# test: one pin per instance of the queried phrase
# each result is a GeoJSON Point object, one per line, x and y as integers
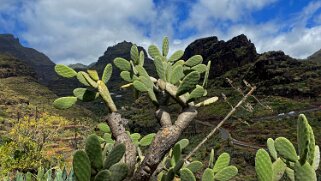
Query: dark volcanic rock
{"type": "Point", "coordinates": [42, 65]}
{"type": "Point", "coordinates": [275, 73]}
{"type": "Point", "coordinates": [224, 55]}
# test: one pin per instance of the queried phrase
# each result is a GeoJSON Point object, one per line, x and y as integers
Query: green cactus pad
{"type": "Point", "coordinates": [153, 51]}
{"type": "Point", "coordinates": [176, 56]}
{"type": "Point", "coordinates": [178, 166]}
{"type": "Point", "coordinates": [64, 102]}
{"type": "Point", "coordinates": [94, 152]}
{"type": "Point", "coordinates": [160, 67]}
{"type": "Point", "coordinates": [103, 127]}
{"type": "Point", "coordinates": [303, 138]}
{"type": "Point", "coordinates": [201, 68]}
{"type": "Point", "coordinates": [93, 74]}
{"type": "Point", "coordinates": [289, 173]}
{"type": "Point", "coordinates": [81, 166]}
{"type": "Point", "coordinates": [316, 160]}
{"type": "Point", "coordinates": [103, 175]}
{"type": "Point", "coordinates": [278, 168]}
{"type": "Point", "coordinates": [82, 79]}
{"type": "Point", "coordinates": [170, 175]}
{"type": "Point", "coordinates": [211, 161]}
{"type": "Point", "coordinates": [263, 166]}
{"type": "Point", "coordinates": [135, 137]}
{"type": "Point", "coordinates": [108, 70]}
{"type": "Point", "coordinates": [183, 143]}
{"type": "Point", "coordinates": [134, 54]}
{"type": "Point", "coordinates": [304, 172]}
{"type": "Point", "coordinates": [141, 58]}
{"type": "Point", "coordinates": [226, 173]}
{"type": "Point", "coordinates": [122, 64]}
{"type": "Point", "coordinates": [195, 166]}
{"type": "Point", "coordinates": [222, 161]}
{"type": "Point", "coordinates": [84, 94]}
{"type": "Point", "coordinates": [271, 147]}
{"type": "Point", "coordinates": [147, 140]}
{"type": "Point", "coordinates": [188, 83]}
{"type": "Point", "coordinates": [126, 76]}
{"type": "Point", "coordinates": [165, 46]}
{"type": "Point", "coordinates": [208, 67]}
{"type": "Point", "coordinates": [196, 93]}
{"type": "Point", "coordinates": [115, 155]}
{"type": "Point", "coordinates": [208, 175]}
{"type": "Point", "coordinates": [107, 137]}
{"type": "Point", "coordinates": [177, 74]}
{"type": "Point", "coordinates": [186, 175]}
{"type": "Point", "coordinates": [118, 171]}
{"type": "Point", "coordinates": [176, 153]}
{"type": "Point", "coordinates": [194, 60]}
{"type": "Point", "coordinates": [140, 86]}
{"type": "Point", "coordinates": [285, 149]}
{"type": "Point", "coordinates": [89, 80]}
{"type": "Point", "coordinates": [142, 72]}
{"type": "Point", "coordinates": [65, 71]}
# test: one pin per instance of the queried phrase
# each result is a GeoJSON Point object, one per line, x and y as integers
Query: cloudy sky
{"type": "Point", "coordinates": [70, 31]}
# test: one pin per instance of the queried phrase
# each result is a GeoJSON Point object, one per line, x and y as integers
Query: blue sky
{"type": "Point", "coordinates": [71, 31]}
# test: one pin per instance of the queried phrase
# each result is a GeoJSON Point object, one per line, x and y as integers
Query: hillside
{"type": "Point", "coordinates": [315, 57]}
{"type": "Point", "coordinates": [41, 64]}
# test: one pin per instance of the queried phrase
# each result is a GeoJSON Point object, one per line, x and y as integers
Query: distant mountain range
{"type": "Point", "coordinates": [273, 72]}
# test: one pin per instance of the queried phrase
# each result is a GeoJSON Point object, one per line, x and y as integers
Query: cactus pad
{"type": "Point", "coordinates": [304, 172]}
{"type": "Point", "coordinates": [103, 175]}
{"type": "Point", "coordinates": [108, 70]}
{"type": "Point", "coordinates": [115, 155]}
{"type": "Point", "coordinates": [271, 147]}
{"type": "Point", "coordinates": [153, 51]}
{"type": "Point", "coordinates": [187, 175]}
{"type": "Point", "coordinates": [263, 165]}
{"type": "Point", "coordinates": [278, 168]}
{"type": "Point", "coordinates": [134, 55]}
{"type": "Point", "coordinates": [165, 46]}
{"type": "Point", "coordinates": [82, 79]}
{"type": "Point", "coordinates": [222, 161]}
{"type": "Point", "coordinates": [122, 64]}
{"type": "Point", "coordinates": [64, 102]}
{"type": "Point", "coordinates": [176, 56]}
{"type": "Point", "coordinates": [195, 166]}
{"type": "Point", "coordinates": [208, 175]}
{"type": "Point", "coordinates": [285, 149]}
{"type": "Point", "coordinates": [147, 140]}
{"type": "Point", "coordinates": [118, 171]}
{"type": "Point", "coordinates": [226, 173]}
{"type": "Point", "coordinates": [93, 150]}
{"type": "Point", "coordinates": [81, 166]}
{"type": "Point", "coordinates": [201, 68]}
{"type": "Point", "coordinates": [84, 94]}
{"type": "Point", "coordinates": [189, 82]}
{"type": "Point", "coordinates": [93, 74]}
{"type": "Point", "coordinates": [65, 71]}
{"type": "Point", "coordinates": [194, 60]}
{"type": "Point", "coordinates": [196, 93]}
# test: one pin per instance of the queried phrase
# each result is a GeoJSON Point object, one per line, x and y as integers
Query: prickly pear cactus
{"type": "Point", "coordinates": [175, 167]}
{"type": "Point", "coordinates": [92, 81]}
{"type": "Point", "coordinates": [95, 163]}
{"type": "Point", "coordinates": [177, 78]}
{"type": "Point", "coordinates": [299, 166]}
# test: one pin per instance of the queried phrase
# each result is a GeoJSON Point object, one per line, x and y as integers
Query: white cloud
{"type": "Point", "coordinates": [80, 31]}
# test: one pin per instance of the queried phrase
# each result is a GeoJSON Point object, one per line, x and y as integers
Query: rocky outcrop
{"type": "Point", "coordinates": [225, 56]}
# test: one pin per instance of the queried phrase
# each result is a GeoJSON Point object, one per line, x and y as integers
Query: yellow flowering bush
{"type": "Point", "coordinates": [28, 138]}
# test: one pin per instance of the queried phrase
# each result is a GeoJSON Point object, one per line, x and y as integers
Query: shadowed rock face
{"type": "Point", "coordinates": [224, 55]}
{"type": "Point", "coordinates": [41, 64]}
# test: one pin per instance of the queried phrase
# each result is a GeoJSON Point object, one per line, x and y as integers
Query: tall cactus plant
{"type": "Point", "coordinates": [297, 167]}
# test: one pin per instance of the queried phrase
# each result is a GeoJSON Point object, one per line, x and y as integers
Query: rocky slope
{"type": "Point", "coordinates": [227, 55]}
{"type": "Point", "coordinates": [316, 57]}
{"type": "Point", "coordinates": [12, 67]}
{"type": "Point", "coordinates": [42, 65]}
